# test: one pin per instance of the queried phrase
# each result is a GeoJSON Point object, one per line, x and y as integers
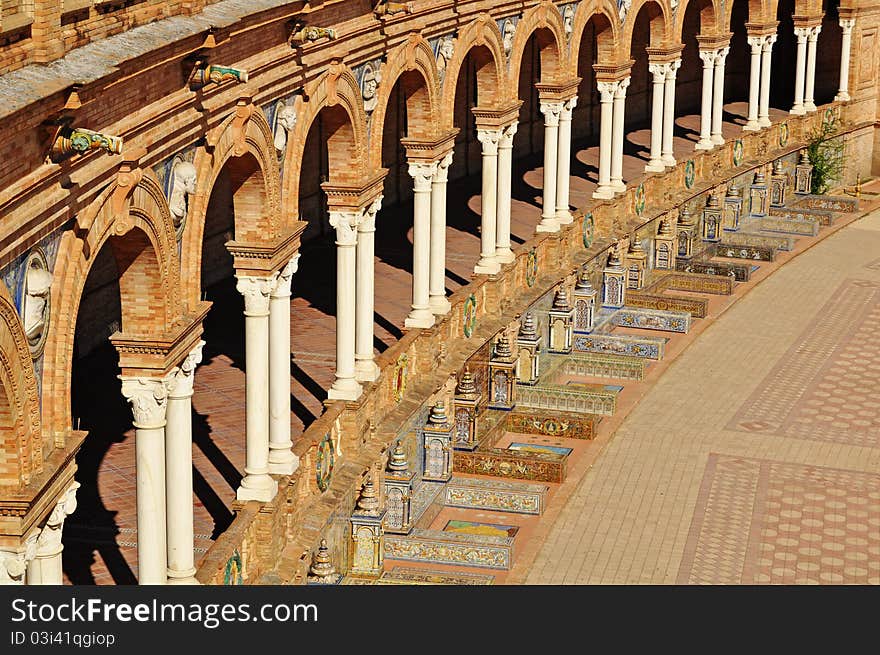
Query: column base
{"type": "Point", "coordinates": [282, 462]}
{"type": "Point", "coordinates": [182, 577]}
{"type": "Point", "coordinates": [487, 266]}
{"type": "Point", "coordinates": [704, 144]}
{"type": "Point", "coordinates": [655, 166]}
{"type": "Point", "coordinates": [618, 186]}
{"type": "Point", "coordinates": [842, 97]}
{"type": "Point", "coordinates": [547, 225]}
{"type": "Point", "coordinates": [439, 304]}
{"type": "Point", "coordinates": [809, 107]}
{"type": "Point", "coordinates": [798, 111]}
{"type": "Point", "coordinates": [751, 126]}
{"type": "Point", "coordinates": [717, 140]}
{"type": "Point", "coordinates": [564, 217]}
{"type": "Point", "coordinates": [603, 193]}
{"type": "Point", "coordinates": [419, 318]}
{"type": "Point", "coordinates": [669, 161]}
{"type": "Point", "coordinates": [505, 255]}
{"type": "Point", "coordinates": [259, 487]}
{"type": "Point", "coordinates": [366, 370]}
{"type": "Point", "coordinates": [764, 122]}
{"type": "Point", "coordinates": [344, 389]}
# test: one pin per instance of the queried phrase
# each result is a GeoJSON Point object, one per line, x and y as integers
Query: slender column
{"type": "Point", "coordinates": [756, 43]}
{"type": "Point", "coordinates": [149, 401]}
{"type": "Point", "coordinates": [178, 470]}
{"type": "Point", "coordinates": [489, 201]}
{"type": "Point", "coordinates": [256, 484]}
{"type": "Point", "coordinates": [282, 461]}
{"type": "Point", "coordinates": [705, 142]}
{"type": "Point", "coordinates": [15, 563]}
{"type": "Point", "coordinates": [503, 252]}
{"type": "Point", "coordinates": [669, 112]}
{"type": "Point", "coordinates": [658, 71]}
{"type": "Point", "coordinates": [437, 284]}
{"type": "Point", "coordinates": [812, 41]}
{"type": "Point", "coordinates": [846, 24]}
{"type": "Point", "coordinates": [551, 111]}
{"type": "Point", "coordinates": [766, 54]}
{"type": "Point", "coordinates": [345, 387]}
{"type": "Point", "coordinates": [718, 95]}
{"type": "Point", "coordinates": [365, 369]}
{"type": "Point", "coordinates": [800, 70]}
{"type": "Point", "coordinates": [617, 138]}
{"type": "Point", "coordinates": [45, 568]}
{"type": "Point", "coordinates": [563, 165]}
{"type": "Point", "coordinates": [423, 176]}
{"type": "Point", "coordinates": [606, 98]}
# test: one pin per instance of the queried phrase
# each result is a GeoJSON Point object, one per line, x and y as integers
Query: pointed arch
{"type": "Point", "coordinates": [143, 238]}
{"type": "Point", "coordinates": [413, 64]}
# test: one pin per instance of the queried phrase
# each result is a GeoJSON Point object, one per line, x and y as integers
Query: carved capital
{"type": "Point", "coordinates": [801, 33]}
{"type": "Point", "coordinates": [367, 222]}
{"type": "Point", "coordinates": [183, 376]}
{"type": "Point", "coordinates": [708, 57]}
{"type": "Point", "coordinates": [285, 277]}
{"type": "Point", "coordinates": [256, 292]}
{"type": "Point", "coordinates": [507, 134]}
{"type": "Point", "coordinates": [658, 71]}
{"type": "Point", "coordinates": [769, 40]}
{"type": "Point", "coordinates": [847, 25]}
{"type": "Point", "coordinates": [606, 91]}
{"type": "Point", "coordinates": [443, 165]}
{"type": "Point", "coordinates": [490, 139]}
{"type": "Point", "coordinates": [423, 175]}
{"type": "Point", "coordinates": [568, 107]}
{"type": "Point", "coordinates": [721, 55]}
{"type": "Point", "coordinates": [552, 111]}
{"type": "Point", "coordinates": [13, 563]}
{"type": "Point", "coordinates": [756, 42]}
{"type": "Point", "coordinates": [622, 86]}
{"type": "Point", "coordinates": [148, 398]}
{"type": "Point", "coordinates": [345, 224]}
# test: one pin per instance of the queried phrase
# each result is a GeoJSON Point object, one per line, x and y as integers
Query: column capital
{"type": "Point", "coordinates": [345, 224]}
{"type": "Point", "coordinates": [622, 86]}
{"type": "Point", "coordinates": [49, 540]}
{"type": "Point", "coordinates": [367, 222]}
{"type": "Point", "coordinates": [489, 137]}
{"type": "Point", "coordinates": [148, 398]}
{"type": "Point", "coordinates": [802, 33]}
{"type": "Point", "coordinates": [847, 24]}
{"type": "Point", "coordinates": [658, 71]}
{"type": "Point", "coordinates": [183, 376]}
{"type": "Point", "coordinates": [551, 110]}
{"type": "Point", "coordinates": [708, 57]}
{"type": "Point", "coordinates": [756, 41]}
{"type": "Point", "coordinates": [256, 291]}
{"type": "Point", "coordinates": [814, 32]}
{"type": "Point", "coordinates": [721, 54]}
{"type": "Point", "coordinates": [285, 277]}
{"type": "Point", "coordinates": [769, 40]}
{"type": "Point", "coordinates": [568, 106]}
{"type": "Point", "coordinates": [606, 90]}
{"type": "Point", "coordinates": [422, 173]}
{"type": "Point", "coordinates": [443, 164]}
{"type": "Point", "coordinates": [507, 134]}
{"type": "Point", "coordinates": [14, 562]}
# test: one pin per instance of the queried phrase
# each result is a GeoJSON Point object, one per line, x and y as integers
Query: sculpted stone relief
{"type": "Point", "coordinates": [183, 185]}
{"type": "Point", "coordinates": [35, 301]}
{"type": "Point", "coordinates": [285, 121]}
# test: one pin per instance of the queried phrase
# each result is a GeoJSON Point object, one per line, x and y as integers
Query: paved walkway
{"type": "Point", "coordinates": [755, 458]}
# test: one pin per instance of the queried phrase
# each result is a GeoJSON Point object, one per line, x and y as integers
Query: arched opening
{"type": "Point", "coordinates": [738, 65]}
{"type": "Point", "coordinates": [784, 57]}
{"type": "Point", "coordinates": [828, 53]}
{"type": "Point", "coordinates": [647, 32]}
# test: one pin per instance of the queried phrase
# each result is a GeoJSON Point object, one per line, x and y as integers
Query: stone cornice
{"type": "Point", "coordinates": [265, 257]}
{"type": "Point", "coordinates": [487, 118]}
{"type": "Point", "coordinates": [613, 72]}
{"type": "Point", "coordinates": [421, 150]}
{"type": "Point", "coordinates": [809, 20]}
{"type": "Point", "coordinates": [762, 29]}
{"type": "Point", "coordinates": [558, 91]}
{"type": "Point", "coordinates": [663, 55]}
{"type": "Point", "coordinates": [352, 197]}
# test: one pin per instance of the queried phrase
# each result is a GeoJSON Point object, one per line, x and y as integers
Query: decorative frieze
{"type": "Point", "coordinates": [680, 281]}
{"type": "Point", "coordinates": [620, 344]}
{"type": "Point", "coordinates": [652, 319]}
{"type": "Point", "coordinates": [568, 425]}
{"type": "Point", "coordinates": [824, 216]}
{"type": "Point", "coordinates": [422, 545]}
{"type": "Point", "coordinates": [696, 307]}
{"type": "Point", "coordinates": [833, 203]}
{"type": "Point", "coordinates": [569, 399]}
{"type": "Point", "coordinates": [501, 463]}
{"type": "Point", "coordinates": [739, 272]}
{"type": "Point", "coordinates": [758, 240]}
{"type": "Point", "coordinates": [807, 227]}
{"type": "Point", "coordinates": [758, 253]}
{"type": "Point", "coordinates": [496, 495]}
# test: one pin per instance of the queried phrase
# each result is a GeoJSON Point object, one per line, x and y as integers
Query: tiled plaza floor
{"type": "Point", "coordinates": [101, 536]}
{"type": "Point", "coordinates": [754, 458]}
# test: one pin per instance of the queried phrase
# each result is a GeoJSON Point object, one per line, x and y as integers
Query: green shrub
{"type": "Point", "coordinates": [826, 155]}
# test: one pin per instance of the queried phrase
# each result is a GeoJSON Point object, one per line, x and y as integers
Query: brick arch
{"type": "Point", "coordinates": [547, 22]}
{"type": "Point", "coordinates": [414, 66]}
{"type": "Point", "coordinates": [661, 24]}
{"type": "Point", "coordinates": [608, 40]}
{"type": "Point", "coordinates": [483, 36]}
{"type": "Point", "coordinates": [710, 15]}
{"type": "Point", "coordinates": [757, 12]}
{"type": "Point", "coordinates": [142, 235]}
{"type": "Point", "coordinates": [244, 145]}
{"type": "Point", "coordinates": [21, 445]}
{"type": "Point", "coordinates": [337, 95]}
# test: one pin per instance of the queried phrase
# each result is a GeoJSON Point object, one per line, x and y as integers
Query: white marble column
{"type": "Point", "coordinates": [345, 387]}
{"type": "Point", "coordinates": [437, 284]}
{"type": "Point", "coordinates": [812, 43]}
{"type": "Point", "coordinates": [178, 470]}
{"type": "Point", "coordinates": [606, 131]}
{"type": "Point", "coordinates": [365, 369]}
{"type": "Point", "coordinates": [718, 95]}
{"type": "Point", "coordinates": [563, 165]}
{"type": "Point", "coordinates": [800, 70]}
{"type": "Point", "coordinates": [847, 25]}
{"type": "Point", "coordinates": [503, 251]}
{"type": "Point", "coordinates": [757, 44]}
{"type": "Point", "coordinates": [705, 142]}
{"type": "Point", "coordinates": [489, 202]}
{"type": "Point", "coordinates": [551, 111]}
{"type": "Point", "coordinates": [257, 484]}
{"type": "Point", "coordinates": [45, 567]}
{"type": "Point", "coordinates": [658, 72]}
{"type": "Point", "coordinates": [617, 137]}
{"type": "Point", "coordinates": [15, 562]}
{"type": "Point", "coordinates": [282, 461]}
{"type": "Point", "coordinates": [149, 401]}
{"type": "Point", "coordinates": [423, 177]}
{"type": "Point", "coordinates": [669, 112]}
{"type": "Point", "coordinates": [766, 59]}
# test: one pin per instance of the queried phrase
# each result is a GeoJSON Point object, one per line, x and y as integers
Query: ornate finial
{"type": "Point", "coordinates": [321, 566]}
{"type": "Point", "coordinates": [684, 217]}
{"type": "Point", "coordinates": [368, 502]}
{"type": "Point", "coordinates": [560, 300]}
{"type": "Point", "coordinates": [665, 228]}
{"type": "Point", "coordinates": [438, 414]}
{"type": "Point", "coordinates": [713, 201]}
{"type": "Point", "coordinates": [804, 159]}
{"type": "Point", "coordinates": [397, 463]}
{"type": "Point", "coordinates": [777, 167]}
{"type": "Point", "coordinates": [734, 191]}
{"type": "Point", "coordinates": [527, 328]}
{"type": "Point", "coordinates": [466, 385]}
{"type": "Point", "coordinates": [583, 281]}
{"type": "Point", "coordinates": [614, 255]}
{"type": "Point", "coordinates": [635, 248]}
{"type": "Point", "coordinates": [502, 348]}
{"type": "Point", "coordinates": [759, 177]}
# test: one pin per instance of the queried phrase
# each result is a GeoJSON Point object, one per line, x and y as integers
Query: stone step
{"type": "Point", "coordinates": [553, 423]}
{"type": "Point", "coordinates": [652, 319]}
{"type": "Point", "coordinates": [742, 238]}
{"type": "Point", "coordinates": [606, 365]}
{"type": "Point", "coordinates": [756, 253]}
{"type": "Point", "coordinates": [511, 464]}
{"type": "Point", "coordinates": [570, 398]}
{"type": "Point", "coordinates": [620, 344]}
{"type": "Point", "coordinates": [696, 307]}
{"type": "Point", "coordinates": [441, 547]}
{"type": "Point", "coordinates": [824, 216]}
{"type": "Point", "coordinates": [689, 281]}
{"type": "Point", "coordinates": [738, 272]}
{"type": "Point", "coordinates": [809, 228]}
{"type": "Point", "coordinates": [833, 203]}
{"type": "Point", "coordinates": [496, 495]}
